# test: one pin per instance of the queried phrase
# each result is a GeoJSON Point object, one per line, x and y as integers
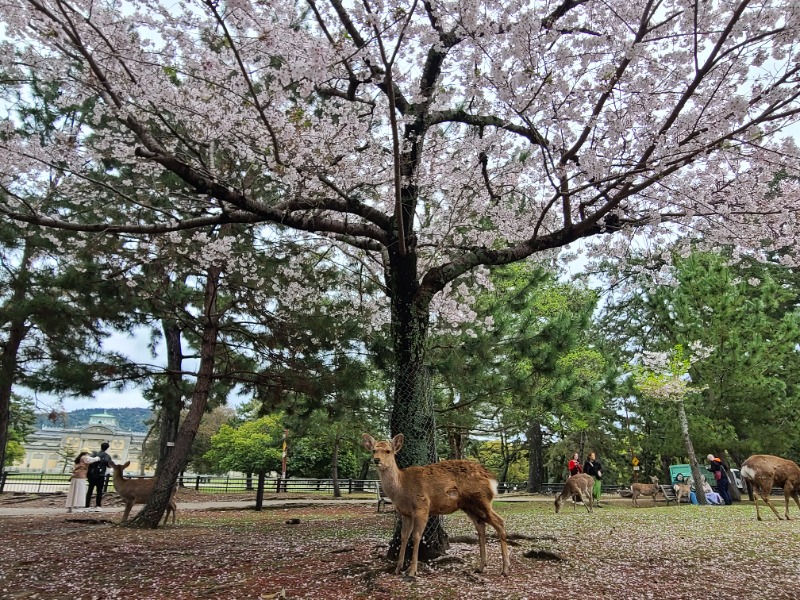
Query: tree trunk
{"type": "Point", "coordinates": [456, 440]}
{"type": "Point", "coordinates": [152, 512]}
{"type": "Point", "coordinates": [335, 469]}
{"type": "Point", "coordinates": [172, 393]}
{"type": "Point", "coordinates": [412, 410]}
{"type": "Point", "coordinates": [260, 491]}
{"type": "Point", "coordinates": [17, 330]}
{"type": "Point", "coordinates": [687, 442]}
{"type": "Point", "coordinates": [535, 460]}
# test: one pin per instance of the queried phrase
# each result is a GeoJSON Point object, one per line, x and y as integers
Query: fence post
{"type": "Point", "coordinates": [227, 480]}
{"type": "Point", "coordinates": [3, 475]}
{"type": "Point", "coordinates": [350, 486]}
{"type": "Point", "coordinates": [197, 483]}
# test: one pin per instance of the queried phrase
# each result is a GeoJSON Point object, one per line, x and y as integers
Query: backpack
{"type": "Point", "coordinates": [97, 470]}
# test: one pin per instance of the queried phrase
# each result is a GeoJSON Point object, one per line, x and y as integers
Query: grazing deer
{"type": "Point", "coordinates": [436, 489]}
{"type": "Point", "coordinates": [138, 491]}
{"type": "Point", "coordinates": [763, 471]}
{"type": "Point", "coordinates": [646, 489]}
{"type": "Point", "coordinates": [580, 484]}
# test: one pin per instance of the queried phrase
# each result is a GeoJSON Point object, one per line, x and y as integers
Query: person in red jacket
{"type": "Point", "coordinates": [574, 467]}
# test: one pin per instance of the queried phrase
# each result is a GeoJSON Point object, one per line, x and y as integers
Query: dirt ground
{"type": "Point", "coordinates": [24, 499]}
{"type": "Point", "coordinates": [339, 552]}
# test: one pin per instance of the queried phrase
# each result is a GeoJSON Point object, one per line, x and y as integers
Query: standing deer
{"type": "Point", "coordinates": [138, 491]}
{"type": "Point", "coordinates": [580, 484]}
{"type": "Point", "coordinates": [683, 489]}
{"type": "Point", "coordinates": [645, 489]}
{"type": "Point", "coordinates": [436, 489]}
{"type": "Point", "coordinates": [763, 471]}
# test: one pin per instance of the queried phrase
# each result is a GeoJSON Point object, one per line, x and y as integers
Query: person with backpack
{"type": "Point", "coordinates": [77, 483]}
{"type": "Point", "coordinates": [96, 477]}
{"type": "Point", "coordinates": [721, 476]}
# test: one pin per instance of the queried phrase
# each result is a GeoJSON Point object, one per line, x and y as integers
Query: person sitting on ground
{"type": "Point", "coordinates": [711, 496]}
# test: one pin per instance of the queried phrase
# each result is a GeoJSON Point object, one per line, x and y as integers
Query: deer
{"type": "Point", "coordinates": [763, 471]}
{"type": "Point", "coordinates": [645, 489]}
{"type": "Point", "coordinates": [138, 491]}
{"type": "Point", "coordinates": [580, 484]}
{"type": "Point", "coordinates": [682, 489]}
{"type": "Point", "coordinates": [441, 488]}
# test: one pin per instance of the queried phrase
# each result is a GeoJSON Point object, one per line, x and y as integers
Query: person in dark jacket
{"type": "Point", "coordinates": [593, 467]}
{"type": "Point", "coordinates": [721, 476]}
{"type": "Point", "coordinates": [97, 475]}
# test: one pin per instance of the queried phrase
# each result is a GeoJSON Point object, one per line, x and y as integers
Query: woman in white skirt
{"type": "Point", "coordinates": [76, 496]}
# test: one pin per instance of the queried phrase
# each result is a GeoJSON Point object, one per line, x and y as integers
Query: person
{"type": "Point", "coordinates": [77, 483]}
{"type": "Point", "coordinates": [574, 467]}
{"type": "Point", "coordinates": [721, 476]}
{"type": "Point", "coordinates": [711, 496]}
{"type": "Point", "coordinates": [97, 476]}
{"type": "Point", "coordinates": [593, 467]}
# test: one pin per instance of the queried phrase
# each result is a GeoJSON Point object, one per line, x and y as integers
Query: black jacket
{"type": "Point", "coordinates": [97, 471]}
{"type": "Point", "coordinates": [592, 468]}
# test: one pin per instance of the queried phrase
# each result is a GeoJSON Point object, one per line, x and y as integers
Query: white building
{"type": "Point", "coordinates": [53, 449]}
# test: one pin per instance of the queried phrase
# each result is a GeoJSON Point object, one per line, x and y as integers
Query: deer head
{"type": "Point", "coordinates": [383, 452]}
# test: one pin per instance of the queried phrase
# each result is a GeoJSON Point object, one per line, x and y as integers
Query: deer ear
{"type": "Point", "coordinates": [397, 442]}
{"type": "Point", "coordinates": [368, 441]}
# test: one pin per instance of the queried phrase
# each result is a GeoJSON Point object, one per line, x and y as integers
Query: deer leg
{"type": "Point", "coordinates": [128, 507]}
{"type": "Point", "coordinates": [405, 532]}
{"type": "Point", "coordinates": [796, 500]}
{"type": "Point", "coordinates": [480, 527]}
{"type": "Point", "coordinates": [765, 490]}
{"type": "Point", "coordinates": [587, 501]}
{"type": "Point", "coordinates": [756, 492]}
{"type": "Point", "coordinates": [787, 493]}
{"type": "Point", "coordinates": [420, 520]}
{"type": "Point", "coordinates": [499, 525]}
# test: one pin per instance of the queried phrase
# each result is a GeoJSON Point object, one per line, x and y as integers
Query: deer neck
{"type": "Point", "coordinates": [391, 479]}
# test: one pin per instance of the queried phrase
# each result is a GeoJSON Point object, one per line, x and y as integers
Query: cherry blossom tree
{"type": "Point", "coordinates": [426, 139]}
{"type": "Point", "coordinates": [664, 377]}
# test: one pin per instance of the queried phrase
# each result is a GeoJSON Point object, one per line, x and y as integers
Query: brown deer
{"type": "Point", "coordinates": [138, 491]}
{"type": "Point", "coordinates": [645, 489]}
{"type": "Point", "coordinates": [436, 489]}
{"type": "Point", "coordinates": [683, 489]}
{"type": "Point", "coordinates": [763, 471]}
{"type": "Point", "coordinates": [580, 484]}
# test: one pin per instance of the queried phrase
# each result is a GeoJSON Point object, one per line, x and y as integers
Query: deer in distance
{"type": "Point", "coordinates": [645, 489]}
{"type": "Point", "coordinates": [419, 492]}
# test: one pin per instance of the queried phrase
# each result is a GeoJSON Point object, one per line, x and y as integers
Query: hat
{"type": "Point", "coordinates": [710, 457]}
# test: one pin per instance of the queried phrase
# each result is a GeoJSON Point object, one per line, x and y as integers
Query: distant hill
{"type": "Point", "coordinates": [129, 419]}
